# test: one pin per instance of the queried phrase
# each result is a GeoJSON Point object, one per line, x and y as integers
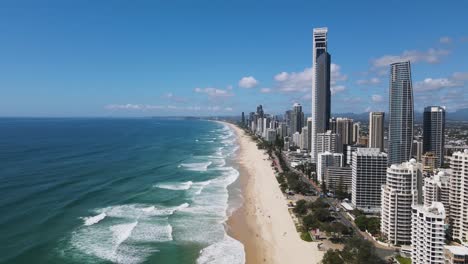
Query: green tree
{"type": "Point", "coordinates": [301, 207]}
{"type": "Point", "coordinates": [332, 257]}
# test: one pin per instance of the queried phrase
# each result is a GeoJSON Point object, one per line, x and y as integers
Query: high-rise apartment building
{"type": "Point", "coordinates": [304, 139]}
{"type": "Point", "coordinates": [437, 189]}
{"type": "Point", "coordinates": [309, 133]}
{"type": "Point", "coordinates": [321, 94]}
{"type": "Point", "coordinates": [369, 167]}
{"type": "Point", "coordinates": [338, 177]}
{"type": "Point", "coordinates": [327, 159]}
{"type": "Point", "coordinates": [428, 234]}
{"type": "Point", "coordinates": [297, 118]}
{"type": "Point", "coordinates": [376, 130]}
{"type": "Point", "coordinates": [459, 196]}
{"type": "Point", "coordinates": [402, 189]}
{"type": "Point", "coordinates": [356, 132]}
{"type": "Point", "coordinates": [344, 127]}
{"type": "Point", "coordinates": [417, 150]}
{"type": "Point", "coordinates": [401, 113]}
{"type": "Point", "coordinates": [330, 142]}
{"type": "Point", "coordinates": [434, 132]}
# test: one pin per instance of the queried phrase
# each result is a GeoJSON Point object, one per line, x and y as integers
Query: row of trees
{"type": "Point", "coordinates": [356, 251]}
{"type": "Point", "coordinates": [316, 214]}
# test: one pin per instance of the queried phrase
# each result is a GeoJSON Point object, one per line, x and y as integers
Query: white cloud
{"type": "Point", "coordinates": [295, 81]}
{"type": "Point", "coordinates": [302, 81]}
{"type": "Point", "coordinates": [430, 84]}
{"type": "Point", "coordinates": [265, 90]}
{"type": "Point", "coordinates": [133, 107]}
{"type": "Point", "coordinates": [214, 92]}
{"type": "Point", "coordinates": [371, 81]}
{"type": "Point", "coordinates": [377, 98]}
{"type": "Point", "coordinates": [337, 89]}
{"type": "Point", "coordinates": [336, 75]}
{"type": "Point", "coordinates": [229, 109]}
{"type": "Point", "coordinates": [430, 56]}
{"type": "Point", "coordinates": [248, 82]}
{"type": "Point", "coordinates": [445, 40]}
{"type": "Point", "coordinates": [460, 76]}
{"type": "Point", "coordinates": [280, 77]}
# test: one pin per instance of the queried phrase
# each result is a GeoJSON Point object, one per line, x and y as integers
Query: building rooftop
{"type": "Point", "coordinates": [457, 250]}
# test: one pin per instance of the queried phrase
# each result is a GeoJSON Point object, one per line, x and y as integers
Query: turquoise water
{"type": "Point", "coordinates": [116, 191]}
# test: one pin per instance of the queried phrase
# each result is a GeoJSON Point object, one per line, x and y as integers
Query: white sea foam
{"type": "Point", "coordinates": [121, 232]}
{"type": "Point", "coordinates": [197, 166]}
{"type": "Point", "coordinates": [227, 250]}
{"type": "Point", "coordinates": [174, 185]}
{"type": "Point", "coordinates": [94, 219]}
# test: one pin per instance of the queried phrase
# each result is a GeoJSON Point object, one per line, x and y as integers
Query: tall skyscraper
{"type": "Point", "coordinates": [458, 195]}
{"type": "Point", "coordinates": [309, 133]}
{"type": "Point", "coordinates": [428, 234]}
{"type": "Point", "coordinates": [401, 109]}
{"type": "Point", "coordinates": [260, 111]}
{"type": "Point", "coordinates": [369, 167]}
{"type": "Point", "coordinates": [376, 130]}
{"type": "Point", "coordinates": [356, 132]}
{"type": "Point", "coordinates": [434, 132]}
{"type": "Point", "coordinates": [344, 127]}
{"type": "Point", "coordinates": [243, 119]}
{"type": "Point", "coordinates": [297, 118]}
{"type": "Point", "coordinates": [402, 190]}
{"type": "Point", "coordinates": [321, 94]}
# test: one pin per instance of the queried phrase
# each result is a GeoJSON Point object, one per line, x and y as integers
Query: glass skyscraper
{"type": "Point", "coordinates": [321, 94]}
{"type": "Point", "coordinates": [434, 132]}
{"type": "Point", "coordinates": [401, 113]}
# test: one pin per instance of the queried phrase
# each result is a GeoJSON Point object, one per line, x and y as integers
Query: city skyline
{"type": "Point", "coordinates": [68, 59]}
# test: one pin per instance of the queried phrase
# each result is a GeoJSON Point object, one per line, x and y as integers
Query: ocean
{"type": "Point", "coordinates": [146, 190]}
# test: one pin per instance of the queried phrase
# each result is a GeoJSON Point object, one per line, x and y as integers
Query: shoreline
{"type": "Point", "coordinates": [263, 223]}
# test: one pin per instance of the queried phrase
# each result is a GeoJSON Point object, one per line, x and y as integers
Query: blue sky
{"type": "Point", "coordinates": [141, 58]}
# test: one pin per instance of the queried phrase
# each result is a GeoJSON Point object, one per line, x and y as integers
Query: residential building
{"type": "Point", "coordinates": [356, 132]}
{"type": "Point", "coordinates": [456, 255]}
{"type": "Point", "coordinates": [429, 161]}
{"type": "Point", "coordinates": [437, 189]}
{"type": "Point", "coordinates": [344, 127]}
{"type": "Point", "coordinates": [369, 167]}
{"type": "Point", "coordinates": [330, 142]}
{"type": "Point", "coordinates": [326, 159]}
{"type": "Point", "coordinates": [401, 113]}
{"type": "Point", "coordinates": [338, 177]}
{"type": "Point", "coordinates": [417, 150]}
{"type": "Point", "coordinates": [270, 135]}
{"type": "Point", "coordinates": [428, 234]}
{"type": "Point", "coordinates": [321, 94]}
{"type": "Point", "coordinates": [459, 196]}
{"type": "Point", "coordinates": [402, 190]}
{"type": "Point", "coordinates": [376, 130]}
{"type": "Point", "coordinates": [309, 133]}
{"type": "Point", "coordinates": [304, 138]}
{"type": "Point", "coordinates": [434, 132]}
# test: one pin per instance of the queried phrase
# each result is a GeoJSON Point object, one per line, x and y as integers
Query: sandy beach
{"type": "Point", "coordinates": [263, 224]}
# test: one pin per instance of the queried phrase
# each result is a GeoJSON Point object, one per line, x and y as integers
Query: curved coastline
{"type": "Point", "coordinates": [263, 223]}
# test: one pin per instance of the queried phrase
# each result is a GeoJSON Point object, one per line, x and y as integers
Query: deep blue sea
{"type": "Point", "coordinates": [98, 190]}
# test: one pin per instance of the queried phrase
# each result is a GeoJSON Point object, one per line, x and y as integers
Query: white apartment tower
{"type": "Point", "coordinates": [437, 189]}
{"type": "Point", "coordinates": [428, 234]}
{"type": "Point", "coordinates": [401, 191]}
{"type": "Point", "coordinates": [368, 167]}
{"type": "Point", "coordinates": [459, 196]}
{"type": "Point", "coordinates": [376, 130]}
{"type": "Point", "coordinates": [328, 141]}
{"type": "Point", "coordinates": [327, 159]}
{"type": "Point", "coordinates": [321, 94]}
